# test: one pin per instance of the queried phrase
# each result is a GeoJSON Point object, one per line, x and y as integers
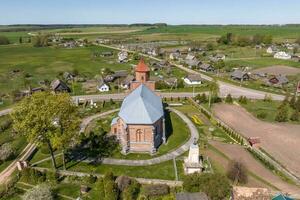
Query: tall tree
{"type": "Point", "coordinates": [213, 90]}
{"type": "Point", "coordinates": [67, 122]}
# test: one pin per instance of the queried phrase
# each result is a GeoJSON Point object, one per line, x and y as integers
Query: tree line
{"type": "Point", "coordinates": [242, 40]}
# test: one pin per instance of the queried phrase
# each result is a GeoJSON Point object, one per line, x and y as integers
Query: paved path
{"type": "Point", "coordinates": [225, 88]}
{"type": "Point", "coordinates": [165, 157]}
{"type": "Point", "coordinates": [169, 156]}
{"type": "Point", "coordinates": [24, 155]}
{"type": "Point", "coordinates": [85, 122]}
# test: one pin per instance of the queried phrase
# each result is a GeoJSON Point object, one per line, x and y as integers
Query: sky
{"type": "Point", "coordinates": [149, 11]}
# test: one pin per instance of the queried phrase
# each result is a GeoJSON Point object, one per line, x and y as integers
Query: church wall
{"type": "Point", "coordinates": [136, 84]}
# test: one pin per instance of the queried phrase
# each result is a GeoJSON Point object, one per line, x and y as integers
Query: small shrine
{"type": "Point", "coordinates": [193, 163]}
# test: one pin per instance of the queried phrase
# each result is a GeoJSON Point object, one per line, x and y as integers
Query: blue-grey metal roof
{"type": "Point", "coordinates": [141, 106]}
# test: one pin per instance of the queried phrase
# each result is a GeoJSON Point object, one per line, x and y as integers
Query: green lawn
{"type": "Point", "coordinates": [256, 107]}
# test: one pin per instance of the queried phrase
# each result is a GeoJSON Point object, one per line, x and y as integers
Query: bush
{"type": "Point", "coordinates": [123, 182]}
{"type": "Point", "coordinates": [32, 176]}
{"type": "Point", "coordinates": [295, 116]}
{"type": "Point", "coordinates": [282, 113]}
{"type": "Point", "coordinates": [3, 40]}
{"type": "Point", "coordinates": [262, 115]}
{"type": "Point", "coordinates": [5, 124]}
{"type": "Point", "coordinates": [228, 99]}
{"type": "Point", "coordinates": [237, 172]}
{"type": "Point", "coordinates": [89, 179]}
{"type": "Point", "coordinates": [110, 187]}
{"type": "Point", "coordinates": [39, 192]}
{"type": "Point", "coordinates": [6, 151]}
{"type": "Point", "coordinates": [243, 100]}
{"type": "Point", "coordinates": [216, 186]}
{"type": "Point", "coordinates": [156, 190]}
{"type": "Point", "coordinates": [132, 191]}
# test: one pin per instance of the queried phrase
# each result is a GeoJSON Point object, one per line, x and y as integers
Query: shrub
{"type": "Point", "coordinates": [282, 113]}
{"type": "Point", "coordinates": [89, 179]}
{"type": "Point", "coordinates": [123, 182]}
{"type": "Point", "coordinates": [262, 115]}
{"type": "Point", "coordinates": [32, 176]}
{"type": "Point", "coordinates": [52, 177]}
{"type": "Point", "coordinates": [237, 172]}
{"type": "Point", "coordinates": [156, 190]}
{"type": "Point", "coordinates": [39, 192]}
{"type": "Point", "coordinates": [5, 124]}
{"type": "Point", "coordinates": [216, 186]}
{"type": "Point", "coordinates": [295, 116]}
{"type": "Point", "coordinates": [3, 40]}
{"type": "Point", "coordinates": [6, 151]}
{"type": "Point", "coordinates": [228, 99]}
{"type": "Point", "coordinates": [110, 187]}
{"type": "Point", "coordinates": [132, 191]}
{"type": "Point", "coordinates": [243, 100]}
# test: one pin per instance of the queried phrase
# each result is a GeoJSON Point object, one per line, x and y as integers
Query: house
{"type": "Point", "coordinates": [139, 126]}
{"type": "Point", "coordinates": [272, 50]}
{"type": "Point", "coordinates": [193, 63]}
{"type": "Point", "coordinates": [68, 76]}
{"type": "Point", "coordinates": [174, 56]}
{"type": "Point", "coordinates": [282, 55]}
{"type": "Point", "coordinates": [125, 84]}
{"type": "Point", "coordinates": [106, 54]}
{"type": "Point", "coordinates": [240, 75]}
{"type": "Point", "coordinates": [190, 57]}
{"type": "Point", "coordinates": [278, 80]}
{"type": "Point", "coordinates": [247, 193]}
{"type": "Point", "coordinates": [217, 57]}
{"type": "Point", "coordinates": [295, 58]}
{"type": "Point", "coordinates": [282, 197]}
{"type": "Point", "coordinates": [206, 67]}
{"type": "Point", "coordinates": [120, 74]}
{"type": "Point", "coordinates": [122, 56]}
{"type": "Point", "coordinates": [103, 87]}
{"type": "Point", "coordinates": [109, 78]}
{"type": "Point", "coordinates": [191, 196]}
{"type": "Point", "coordinates": [193, 79]}
{"type": "Point", "coordinates": [171, 81]}
{"type": "Point", "coordinates": [59, 86]}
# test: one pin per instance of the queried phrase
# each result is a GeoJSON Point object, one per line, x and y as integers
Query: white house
{"type": "Point", "coordinates": [174, 56]}
{"type": "Point", "coordinates": [282, 55]}
{"type": "Point", "coordinates": [122, 56]}
{"type": "Point", "coordinates": [193, 79]}
{"type": "Point", "coordinates": [272, 49]}
{"type": "Point", "coordinates": [103, 87]}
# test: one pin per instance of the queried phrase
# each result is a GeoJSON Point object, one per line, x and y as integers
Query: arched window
{"type": "Point", "coordinates": [139, 135]}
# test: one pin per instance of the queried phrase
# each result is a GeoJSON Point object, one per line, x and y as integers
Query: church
{"type": "Point", "coordinates": [139, 126]}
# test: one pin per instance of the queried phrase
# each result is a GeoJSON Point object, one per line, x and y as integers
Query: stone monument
{"type": "Point", "coordinates": [193, 162]}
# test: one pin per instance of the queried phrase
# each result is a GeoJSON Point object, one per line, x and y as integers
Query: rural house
{"type": "Point", "coordinates": [59, 86]}
{"type": "Point", "coordinates": [272, 50]}
{"type": "Point", "coordinates": [174, 56]}
{"type": "Point", "coordinates": [141, 131]}
{"type": "Point", "coordinates": [193, 63]}
{"type": "Point", "coordinates": [206, 67]}
{"type": "Point", "coordinates": [122, 56]}
{"type": "Point", "coordinates": [278, 80]}
{"type": "Point", "coordinates": [103, 87]}
{"type": "Point", "coordinates": [240, 75]}
{"type": "Point", "coordinates": [106, 54]}
{"type": "Point", "coordinates": [193, 79]}
{"type": "Point", "coordinates": [125, 84]}
{"type": "Point", "coordinates": [282, 55]}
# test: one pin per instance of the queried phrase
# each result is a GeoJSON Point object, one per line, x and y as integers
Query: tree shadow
{"type": "Point", "coordinates": [168, 124]}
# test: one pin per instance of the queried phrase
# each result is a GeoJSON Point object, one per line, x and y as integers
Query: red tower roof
{"type": "Point", "coordinates": [142, 67]}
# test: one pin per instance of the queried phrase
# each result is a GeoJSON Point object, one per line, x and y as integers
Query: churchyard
{"type": "Point", "coordinates": [88, 60]}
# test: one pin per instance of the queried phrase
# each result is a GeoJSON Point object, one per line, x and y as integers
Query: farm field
{"type": "Point", "coordinates": [281, 134]}
{"type": "Point", "coordinates": [278, 70]}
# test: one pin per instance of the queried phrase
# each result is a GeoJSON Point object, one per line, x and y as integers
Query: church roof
{"type": "Point", "coordinates": [141, 106]}
{"type": "Point", "coordinates": [142, 67]}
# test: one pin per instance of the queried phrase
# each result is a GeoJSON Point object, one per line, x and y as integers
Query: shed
{"type": "Point", "coordinates": [59, 86]}
{"type": "Point", "coordinates": [191, 196]}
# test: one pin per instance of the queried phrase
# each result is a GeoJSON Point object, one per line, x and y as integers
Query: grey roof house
{"type": "Point", "coordinates": [59, 86]}
{"type": "Point", "coordinates": [239, 75]}
{"type": "Point", "coordinates": [206, 67]}
{"type": "Point", "coordinates": [193, 63]}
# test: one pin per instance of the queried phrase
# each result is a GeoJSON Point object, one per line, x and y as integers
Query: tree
{"type": "Point", "coordinates": [132, 191]}
{"type": "Point", "coordinates": [220, 65]}
{"type": "Point", "coordinates": [6, 151]}
{"type": "Point", "coordinates": [213, 90]}
{"type": "Point", "coordinates": [295, 116]}
{"type": "Point", "coordinates": [292, 102]}
{"type": "Point", "coordinates": [297, 40]}
{"type": "Point", "coordinates": [228, 99]}
{"type": "Point", "coordinates": [40, 40]}
{"type": "Point", "coordinates": [209, 46]}
{"type": "Point", "coordinates": [297, 104]}
{"type": "Point", "coordinates": [37, 117]}
{"type": "Point", "coordinates": [110, 187]}
{"type": "Point", "coordinates": [4, 40]}
{"type": "Point", "coordinates": [237, 172]}
{"type": "Point", "coordinates": [68, 122]}
{"type": "Point", "coordinates": [39, 192]}
{"type": "Point", "coordinates": [216, 186]}
{"type": "Point", "coordinates": [282, 113]}
{"type": "Point", "coordinates": [20, 40]}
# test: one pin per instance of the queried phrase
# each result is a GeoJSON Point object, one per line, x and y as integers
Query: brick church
{"type": "Point", "coordinates": [139, 126]}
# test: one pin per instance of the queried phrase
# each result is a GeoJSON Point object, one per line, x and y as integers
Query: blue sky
{"type": "Point", "coordinates": [150, 11]}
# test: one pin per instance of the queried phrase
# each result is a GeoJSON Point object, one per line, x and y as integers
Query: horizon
{"type": "Point", "coordinates": [191, 12]}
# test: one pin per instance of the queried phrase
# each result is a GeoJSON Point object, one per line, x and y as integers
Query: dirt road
{"type": "Point", "coordinates": [280, 140]}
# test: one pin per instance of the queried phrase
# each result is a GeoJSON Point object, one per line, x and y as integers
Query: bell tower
{"type": "Point", "coordinates": [142, 76]}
